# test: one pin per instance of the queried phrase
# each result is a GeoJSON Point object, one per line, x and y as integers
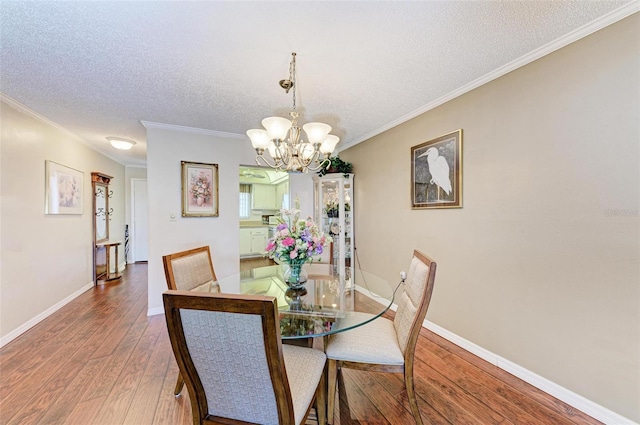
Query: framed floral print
{"type": "Point", "coordinates": [436, 172]}
{"type": "Point", "coordinates": [199, 189]}
{"type": "Point", "coordinates": [63, 189]}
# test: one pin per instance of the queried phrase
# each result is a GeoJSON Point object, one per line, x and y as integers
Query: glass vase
{"type": "Point", "coordinates": [295, 276]}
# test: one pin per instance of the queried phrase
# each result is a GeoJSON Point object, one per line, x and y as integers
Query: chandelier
{"type": "Point", "coordinates": [282, 138]}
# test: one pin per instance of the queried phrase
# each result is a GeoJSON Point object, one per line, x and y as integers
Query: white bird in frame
{"type": "Point", "coordinates": [439, 170]}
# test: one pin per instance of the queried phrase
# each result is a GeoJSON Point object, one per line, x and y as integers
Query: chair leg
{"type": "Point", "coordinates": [179, 385]}
{"type": "Point", "coordinates": [321, 400]}
{"type": "Point", "coordinates": [411, 393]}
{"type": "Point", "coordinates": [332, 379]}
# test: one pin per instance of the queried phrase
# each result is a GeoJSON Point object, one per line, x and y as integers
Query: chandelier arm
{"type": "Point", "coordinates": [265, 161]}
{"type": "Point", "coordinates": [320, 165]}
{"type": "Point", "coordinates": [284, 154]}
{"type": "Point", "coordinates": [308, 161]}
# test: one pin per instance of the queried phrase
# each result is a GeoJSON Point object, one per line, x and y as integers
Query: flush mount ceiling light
{"type": "Point", "coordinates": [120, 143]}
{"type": "Point", "coordinates": [282, 140]}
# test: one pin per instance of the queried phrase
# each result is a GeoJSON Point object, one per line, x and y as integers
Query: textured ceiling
{"type": "Point", "coordinates": [99, 68]}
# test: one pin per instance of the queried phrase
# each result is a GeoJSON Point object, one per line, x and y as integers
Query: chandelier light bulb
{"type": "Point", "coordinates": [277, 127]}
{"type": "Point", "coordinates": [329, 144]}
{"type": "Point", "coordinates": [259, 138]}
{"type": "Point", "coordinates": [275, 154]}
{"type": "Point", "coordinates": [316, 131]}
{"type": "Point", "coordinates": [306, 151]}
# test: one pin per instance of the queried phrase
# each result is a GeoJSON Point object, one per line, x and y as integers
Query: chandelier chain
{"type": "Point", "coordinates": [292, 78]}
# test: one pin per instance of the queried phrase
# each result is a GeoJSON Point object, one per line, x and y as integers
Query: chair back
{"type": "Point", "coordinates": [413, 302]}
{"type": "Point", "coordinates": [229, 352]}
{"type": "Point", "coordinates": [188, 270]}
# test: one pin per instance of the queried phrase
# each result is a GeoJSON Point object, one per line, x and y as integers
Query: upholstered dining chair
{"type": "Point", "coordinates": [190, 270]}
{"type": "Point", "coordinates": [384, 345]}
{"type": "Point", "coordinates": [235, 367]}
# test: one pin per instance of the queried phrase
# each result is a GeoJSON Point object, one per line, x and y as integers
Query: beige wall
{"type": "Point", "coordinates": [542, 264]}
{"type": "Point", "coordinates": [44, 258]}
{"type": "Point", "coordinates": [166, 148]}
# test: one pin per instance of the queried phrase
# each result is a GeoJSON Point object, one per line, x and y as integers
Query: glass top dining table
{"type": "Point", "coordinates": [326, 305]}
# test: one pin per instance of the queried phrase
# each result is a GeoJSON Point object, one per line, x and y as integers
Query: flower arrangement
{"type": "Point", "coordinates": [295, 241]}
{"type": "Point", "coordinates": [200, 187]}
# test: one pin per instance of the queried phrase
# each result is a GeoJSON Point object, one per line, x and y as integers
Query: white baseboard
{"type": "Point", "coordinates": [581, 403]}
{"type": "Point", "coordinates": [155, 311]}
{"type": "Point", "coordinates": [40, 317]}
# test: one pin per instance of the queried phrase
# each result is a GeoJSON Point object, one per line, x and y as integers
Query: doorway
{"type": "Point", "coordinates": [263, 192]}
{"type": "Point", "coordinates": [139, 213]}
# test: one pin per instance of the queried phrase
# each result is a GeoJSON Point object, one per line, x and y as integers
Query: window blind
{"type": "Point", "coordinates": [245, 201]}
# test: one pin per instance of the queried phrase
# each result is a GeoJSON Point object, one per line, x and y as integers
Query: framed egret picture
{"type": "Point", "coordinates": [436, 172]}
{"type": "Point", "coordinates": [199, 189]}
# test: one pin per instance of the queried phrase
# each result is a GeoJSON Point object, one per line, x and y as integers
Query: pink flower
{"type": "Point", "coordinates": [293, 254]}
{"type": "Point", "coordinates": [289, 242]}
{"type": "Point", "coordinates": [284, 232]}
{"type": "Point", "coordinates": [270, 246]}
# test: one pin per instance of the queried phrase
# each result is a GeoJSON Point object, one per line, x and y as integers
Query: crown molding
{"type": "Point", "coordinates": [185, 129]}
{"type": "Point", "coordinates": [33, 114]}
{"type": "Point", "coordinates": [585, 30]}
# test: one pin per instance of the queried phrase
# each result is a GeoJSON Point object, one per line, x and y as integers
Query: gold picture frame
{"type": "Point", "coordinates": [199, 189]}
{"type": "Point", "coordinates": [436, 172]}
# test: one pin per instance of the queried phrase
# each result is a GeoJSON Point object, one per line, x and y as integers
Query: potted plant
{"type": "Point", "coordinates": [336, 165]}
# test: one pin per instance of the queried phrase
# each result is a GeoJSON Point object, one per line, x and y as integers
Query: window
{"type": "Point", "coordinates": [245, 201]}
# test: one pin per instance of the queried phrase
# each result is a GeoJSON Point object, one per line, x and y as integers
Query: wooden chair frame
{"type": "Point", "coordinates": [167, 260]}
{"type": "Point", "coordinates": [168, 266]}
{"type": "Point", "coordinates": [263, 306]}
{"type": "Point", "coordinates": [409, 353]}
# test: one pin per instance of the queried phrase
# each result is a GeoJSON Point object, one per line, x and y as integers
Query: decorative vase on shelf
{"type": "Point", "coordinates": [333, 212]}
{"type": "Point", "coordinates": [295, 276]}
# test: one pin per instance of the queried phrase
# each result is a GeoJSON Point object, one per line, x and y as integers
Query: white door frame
{"type": "Point", "coordinates": [132, 242]}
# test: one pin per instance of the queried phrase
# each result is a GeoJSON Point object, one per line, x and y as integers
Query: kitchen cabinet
{"type": "Point", "coordinates": [258, 240]}
{"type": "Point", "coordinates": [333, 201]}
{"type": "Point", "coordinates": [245, 241]}
{"type": "Point", "coordinates": [264, 197]}
{"type": "Point", "coordinates": [253, 240]}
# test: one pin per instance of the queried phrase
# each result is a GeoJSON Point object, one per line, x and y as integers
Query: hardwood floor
{"type": "Point", "coordinates": [252, 263]}
{"type": "Point", "coordinates": [101, 360]}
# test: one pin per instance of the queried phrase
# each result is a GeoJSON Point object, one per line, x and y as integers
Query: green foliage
{"type": "Point", "coordinates": [336, 165]}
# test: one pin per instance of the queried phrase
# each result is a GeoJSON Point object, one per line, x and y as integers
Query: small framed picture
{"type": "Point", "coordinates": [436, 172]}
{"type": "Point", "coordinates": [199, 189]}
{"type": "Point", "coordinates": [63, 189]}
